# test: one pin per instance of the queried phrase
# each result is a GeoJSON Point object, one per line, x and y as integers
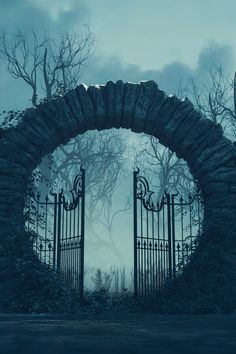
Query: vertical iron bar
{"type": "Point", "coordinates": [37, 225]}
{"type": "Point", "coordinates": [46, 229]}
{"type": "Point", "coordinates": [54, 230]}
{"type": "Point", "coordinates": [173, 233]}
{"type": "Point", "coordinates": [70, 252]}
{"type": "Point", "coordinates": [135, 230]}
{"type": "Point", "coordinates": [153, 254]}
{"type": "Point", "coordinates": [59, 233]}
{"type": "Point", "coordinates": [81, 274]}
{"type": "Point", "coordinates": [147, 251]}
{"type": "Point", "coordinates": [158, 252]}
{"type": "Point", "coordinates": [169, 235]}
{"type": "Point", "coordinates": [182, 228]}
{"type": "Point", "coordinates": [145, 269]}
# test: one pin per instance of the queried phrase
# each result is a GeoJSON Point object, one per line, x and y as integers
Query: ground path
{"type": "Point", "coordinates": [124, 334]}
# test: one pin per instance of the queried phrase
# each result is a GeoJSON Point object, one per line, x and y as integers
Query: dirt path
{"type": "Point", "coordinates": [128, 334]}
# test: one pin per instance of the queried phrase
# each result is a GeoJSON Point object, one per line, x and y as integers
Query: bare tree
{"type": "Point", "coordinates": [165, 171]}
{"type": "Point", "coordinates": [49, 66]}
{"type": "Point", "coordinates": [109, 216]}
{"type": "Point", "coordinates": [63, 61]}
{"type": "Point", "coordinates": [102, 156]}
{"type": "Point", "coordinates": [22, 60]}
{"type": "Point", "coordinates": [215, 98]}
{"type": "Point", "coordinates": [52, 67]}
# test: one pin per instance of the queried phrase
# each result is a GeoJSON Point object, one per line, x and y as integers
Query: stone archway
{"type": "Point", "coordinates": [142, 108]}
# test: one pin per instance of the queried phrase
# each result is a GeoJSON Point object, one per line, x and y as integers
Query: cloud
{"type": "Point", "coordinates": [216, 55]}
{"type": "Point", "coordinates": [45, 16]}
{"type": "Point", "coordinates": [100, 70]}
{"type": "Point", "coordinates": [74, 15]}
{"type": "Point", "coordinates": [28, 14]}
{"type": "Point", "coordinates": [16, 15]}
{"type": "Point", "coordinates": [169, 78]}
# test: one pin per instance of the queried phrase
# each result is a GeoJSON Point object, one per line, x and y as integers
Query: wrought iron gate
{"type": "Point", "coordinates": [165, 235]}
{"type": "Point", "coordinates": [58, 228]}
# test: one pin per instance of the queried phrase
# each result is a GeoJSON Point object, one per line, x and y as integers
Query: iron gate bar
{"type": "Point", "coordinates": [169, 233]}
{"type": "Point", "coordinates": [159, 255]}
{"type": "Point", "coordinates": [173, 231]}
{"type": "Point", "coordinates": [59, 232]}
{"type": "Point", "coordinates": [62, 247]}
{"type": "Point", "coordinates": [54, 229]}
{"type": "Point", "coordinates": [136, 244]}
{"type": "Point", "coordinates": [82, 235]}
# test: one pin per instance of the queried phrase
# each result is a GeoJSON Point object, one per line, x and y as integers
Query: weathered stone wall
{"type": "Point", "coordinates": [141, 108]}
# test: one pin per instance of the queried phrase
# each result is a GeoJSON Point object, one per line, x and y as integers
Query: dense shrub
{"type": "Point", "coordinates": [27, 285]}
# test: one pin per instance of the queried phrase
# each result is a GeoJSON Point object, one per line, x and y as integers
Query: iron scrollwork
{"type": "Point", "coordinates": [76, 192]}
{"type": "Point", "coordinates": [58, 226]}
{"type": "Point", "coordinates": [165, 235]}
{"type": "Point", "coordinates": [144, 193]}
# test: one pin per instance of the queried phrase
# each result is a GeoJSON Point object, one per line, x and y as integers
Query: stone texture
{"type": "Point", "coordinates": [144, 102]}
{"type": "Point", "coordinates": [9, 168]}
{"type": "Point", "coordinates": [205, 154]}
{"type": "Point", "coordinates": [87, 106]}
{"type": "Point", "coordinates": [167, 109]}
{"type": "Point", "coordinates": [196, 142]}
{"type": "Point", "coordinates": [225, 201]}
{"type": "Point", "coordinates": [118, 109]}
{"type": "Point", "coordinates": [19, 149]}
{"type": "Point", "coordinates": [40, 129]}
{"type": "Point", "coordinates": [109, 94]}
{"type": "Point", "coordinates": [129, 102]}
{"type": "Point", "coordinates": [215, 188]}
{"type": "Point", "coordinates": [178, 119]}
{"type": "Point", "coordinates": [96, 94]}
{"type": "Point", "coordinates": [221, 174]}
{"type": "Point", "coordinates": [140, 107]}
{"type": "Point", "coordinates": [65, 125]}
{"type": "Point", "coordinates": [154, 110]}
{"type": "Point", "coordinates": [76, 109]}
{"type": "Point", "coordinates": [191, 129]}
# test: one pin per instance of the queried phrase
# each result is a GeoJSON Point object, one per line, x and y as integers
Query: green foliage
{"type": "Point", "coordinates": [104, 301]}
{"type": "Point", "coordinates": [194, 292]}
{"type": "Point", "coordinates": [28, 285]}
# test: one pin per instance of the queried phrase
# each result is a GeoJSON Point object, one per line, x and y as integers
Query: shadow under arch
{"type": "Point", "coordinates": [141, 107]}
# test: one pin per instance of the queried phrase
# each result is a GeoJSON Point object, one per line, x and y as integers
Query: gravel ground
{"type": "Point", "coordinates": [126, 334]}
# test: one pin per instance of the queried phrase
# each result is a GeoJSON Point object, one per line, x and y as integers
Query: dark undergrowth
{"type": "Point", "coordinates": [28, 286]}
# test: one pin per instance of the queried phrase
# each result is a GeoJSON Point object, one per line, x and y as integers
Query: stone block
{"type": "Point", "coordinates": [221, 174]}
{"type": "Point", "coordinates": [153, 112]}
{"type": "Point", "coordinates": [87, 106]}
{"type": "Point", "coordinates": [118, 107]}
{"type": "Point", "coordinates": [9, 168]}
{"type": "Point", "coordinates": [96, 94]}
{"type": "Point", "coordinates": [39, 127]}
{"type": "Point", "coordinates": [215, 188]}
{"type": "Point", "coordinates": [198, 132]}
{"type": "Point", "coordinates": [17, 155]}
{"type": "Point", "coordinates": [170, 105]}
{"type": "Point", "coordinates": [48, 112]}
{"type": "Point", "coordinates": [72, 100]}
{"type": "Point", "coordinates": [205, 154]}
{"type": "Point", "coordinates": [146, 95]}
{"type": "Point", "coordinates": [109, 97]}
{"type": "Point", "coordinates": [179, 119]}
{"type": "Point", "coordinates": [129, 102]}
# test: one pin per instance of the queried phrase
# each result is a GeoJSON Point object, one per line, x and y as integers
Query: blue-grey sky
{"type": "Point", "coordinates": [164, 40]}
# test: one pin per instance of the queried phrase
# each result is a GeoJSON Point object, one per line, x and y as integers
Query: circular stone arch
{"type": "Point", "coordinates": [210, 278]}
